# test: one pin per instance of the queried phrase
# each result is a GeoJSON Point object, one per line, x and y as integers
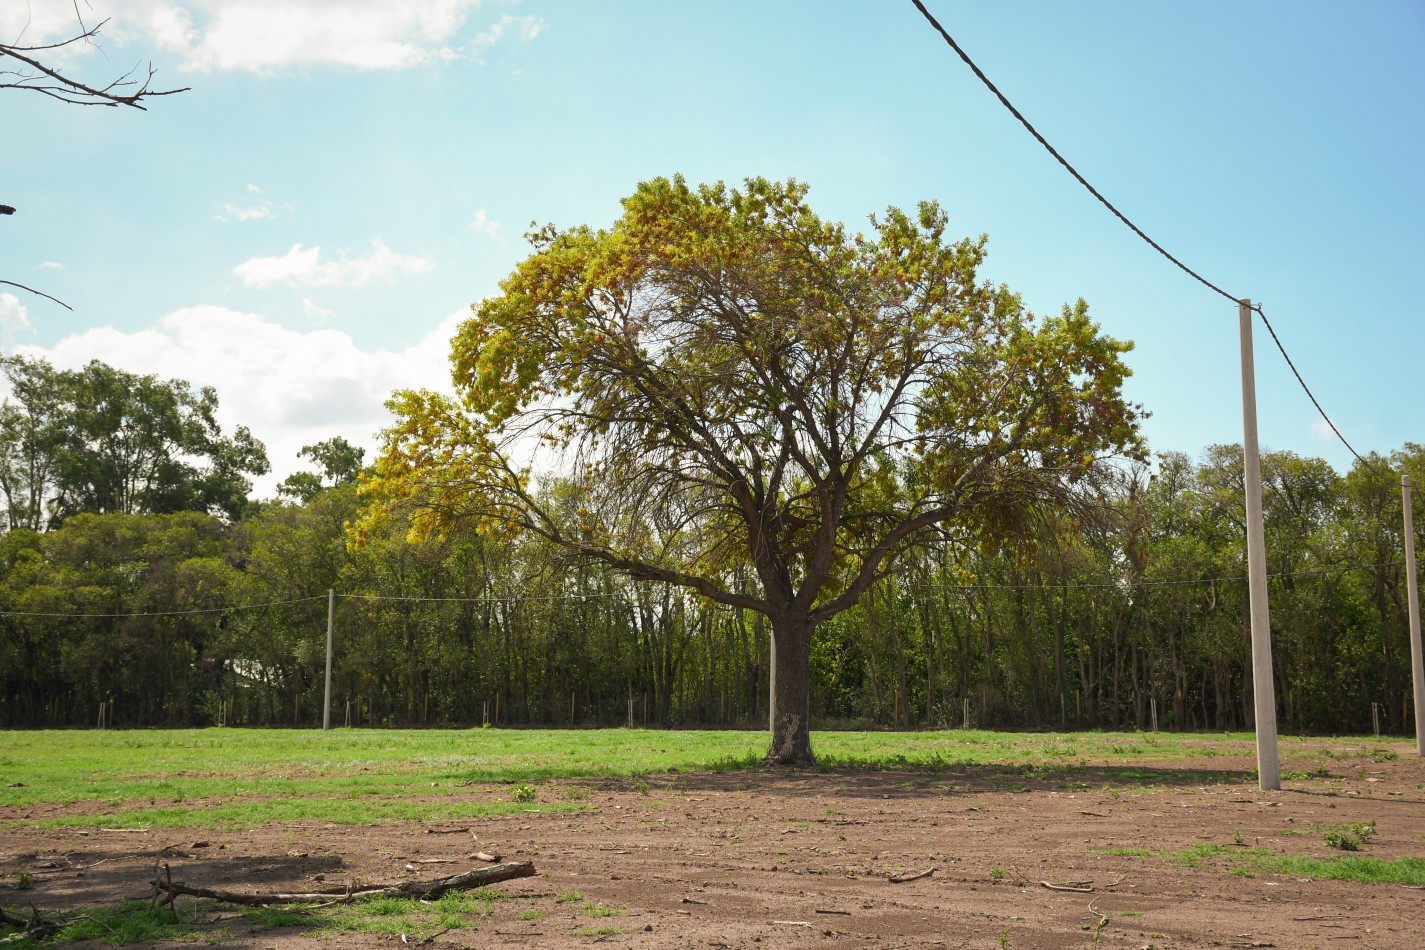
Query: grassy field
{"type": "Point", "coordinates": [236, 779]}
{"type": "Point", "coordinates": [248, 777]}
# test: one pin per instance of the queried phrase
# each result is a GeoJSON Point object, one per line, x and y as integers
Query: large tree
{"type": "Point", "coordinates": [722, 384]}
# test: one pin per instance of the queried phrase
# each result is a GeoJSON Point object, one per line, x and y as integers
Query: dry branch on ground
{"type": "Point", "coordinates": [166, 890]}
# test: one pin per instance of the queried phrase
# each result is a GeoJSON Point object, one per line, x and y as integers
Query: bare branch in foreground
{"type": "Point", "coordinates": [479, 877]}
{"type": "Point", "coordinates": [35, 76]}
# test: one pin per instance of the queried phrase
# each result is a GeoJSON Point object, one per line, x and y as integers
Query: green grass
{"type": "Point", "coordinates": [237, 778]}
{"type": "Point", "coordinates": [122, 925]}
{"type": "Point", "coordinates": [1409, 871]}
{"type": "Point", "coordinates": [132, 923]}
{"type": "Point", "coordinates": [607, 930]}
{"type": "Point", "coordinates": [1250, 861]}
{"type": "Point", "coordinates": [252, 813]}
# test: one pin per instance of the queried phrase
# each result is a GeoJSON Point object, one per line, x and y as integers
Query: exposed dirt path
{"type": "Point", "coordinates": [752, 859]}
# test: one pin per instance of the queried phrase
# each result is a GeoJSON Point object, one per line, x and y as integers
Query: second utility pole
{"type": "Point", "coordinates": [1269, 774]}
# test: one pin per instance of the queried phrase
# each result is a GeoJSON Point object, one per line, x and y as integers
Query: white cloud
{"type": "Point", "coordinates": [291, 388]}
{"type": "Point", "coordinates": [524, 27]}
{"type": "Point", "coordinates": [316, 312]}
{"type": "Point", "coordinates": [304, 267]}
{"type": "Point", "coordinates": [1322, 429]}
{"type": "Point", "coordinates": [251, 213]}
{"type": "Point", "coordinates": [50, 265]}
{"type": "Point", "coordinates": [264, 208]}
{"type": "Point", "coordinates": [483, 223]}
{"type": "Point", "coordinates": [13, 317]}
{"type": "Point", "coordinates": [265, 36]}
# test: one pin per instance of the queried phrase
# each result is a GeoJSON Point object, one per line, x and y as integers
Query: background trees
{"type": "Point", "coordinates": [1146, 603]}
{"type": "Point", "coordinates": [103, 440]}
{"type": "Point", "coordinates": [726, 386]}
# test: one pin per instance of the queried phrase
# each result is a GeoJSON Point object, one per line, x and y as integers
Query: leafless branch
{"type": "Point", "coordinates": [39, 293]}
{"type": "Point", "coordinates": [35, 76]}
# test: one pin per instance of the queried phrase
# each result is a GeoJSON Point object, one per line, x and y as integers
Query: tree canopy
{"type": "Point", "coordinates": [339, 462]}
{"type": "Point", "coordinates": [726, 392]}
{"type": "Point", "coordinates": [104, 440]}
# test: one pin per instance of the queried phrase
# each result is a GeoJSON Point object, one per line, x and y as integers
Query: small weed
{"type": "Point", "coordinates": [529, 915]}
{"type": "Point", "coordinates": [1003, 940]}
{"type": "Point", "coordinates": [1303, 775]}
{"type": "Point", "coordinates": [569, 897]}
{"type": "Point", "coordinates": [386, 906]}
{"type": "Point", "coordinates": [523, 793]}
{"type": "Point", "coordinates": [596, 909]}
{"type": "Point", "coordinates": [1237, 838]}
{"type": "Point", "coordinates": [1350, 837]}
{"type": "Point", "coordinates": [23, 882]}
{"type": "Point", "coordinates": [997, 874]}
{"type": "Point", "coordinates": [607, 930]}
{"type": "Point", "coordinates": [641, 786]}
{"type": "Point", "coordinates": [1342, 841]}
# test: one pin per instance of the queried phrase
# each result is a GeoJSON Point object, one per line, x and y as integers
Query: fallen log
{"type": "Point", "coordinates": [169, 889]}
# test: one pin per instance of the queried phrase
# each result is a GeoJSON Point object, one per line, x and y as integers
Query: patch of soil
{"type": "Point", "coordinates": [775, 859]}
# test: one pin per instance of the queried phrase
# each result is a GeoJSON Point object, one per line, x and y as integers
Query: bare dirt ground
{"type": "Point", "coordinates": [757, 859]}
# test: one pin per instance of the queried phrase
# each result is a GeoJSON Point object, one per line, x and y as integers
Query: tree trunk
{"type": "Point", "coordinates": [791, 728]}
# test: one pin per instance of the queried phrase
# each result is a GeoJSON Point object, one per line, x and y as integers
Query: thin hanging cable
{"type": "Point", "coordinates": [161, 613]}
{"type": "Point", "coordinates": [1185, 582]}
{"type": "Point", "coordinates": [1063, 161]}
{"type": "Point", "coordinates": [482, 600]}
{"type": "Point", "coordinates": [1124, 218]}
{"type": "Point", "coordinates": [1309, 395]}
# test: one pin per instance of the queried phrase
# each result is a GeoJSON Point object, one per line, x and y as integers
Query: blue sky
{"type": "Point", "coordinates": [304, 227]}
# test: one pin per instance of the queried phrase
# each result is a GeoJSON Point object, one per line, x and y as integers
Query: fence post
{"type": "Point", "coordinates": [327, 693]}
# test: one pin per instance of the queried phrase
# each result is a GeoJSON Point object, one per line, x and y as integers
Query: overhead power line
{"type": "Point", "coordinates": [550, 598]}
{"type": "Point", "coordinates": [1180, 582]}
{"type": "Point", "coordinates": [1309, 394]}
{"type": "Point", "coordinates": [160, 613]}
{"type": "Point", "coordinates": [1062, 160]}
{"type": "Point", "coordinates": [1004, 100]}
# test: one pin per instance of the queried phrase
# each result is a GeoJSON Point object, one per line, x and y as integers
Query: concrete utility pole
{"type": "Point", "coordinates": [327, 694]}
{"type": "Point", "coordinates": [1269, 776]}
{"type": "Point", "coordinates": [1417, 668]}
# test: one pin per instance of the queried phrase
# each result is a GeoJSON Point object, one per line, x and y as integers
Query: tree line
{"type": "Point", "coordinates": [136, 572]}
